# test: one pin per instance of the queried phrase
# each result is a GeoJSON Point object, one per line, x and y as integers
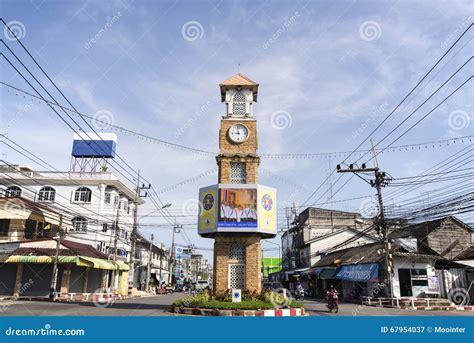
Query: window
{"type": "Point", "coordinates": [46, 194]}
{"type": "Point", "coordinates": [238, 104]}
{"type": "Point", "coordinates": [237, 252]}
{"type": "Point", "coordinates": [83, 194]}
{"type": "Point", "coordinates": [237, 276]}
{"type": "Point", "coordinates": [79, 224]}
{"type": "Point", "coordinates": [30, 229]}
{"type": "Point", "coordinates": [108, 197]}
{"type": "Point", "coordinates": [104, 227]}
{"type": "Point", "coordinates": [13, 191]}
{"type": "Point", "coordinates": [238, 173]}
{"type": "Point", "coordinates": [4, 226]}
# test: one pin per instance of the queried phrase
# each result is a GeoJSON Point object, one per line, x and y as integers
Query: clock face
{"type": "Point", "coordinates": [238, 133]}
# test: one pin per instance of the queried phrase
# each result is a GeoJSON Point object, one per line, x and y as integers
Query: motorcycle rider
{"type": "Point", "coordinates": [332, 295]}
{"type": "Point", "coordinates": [299, 291]}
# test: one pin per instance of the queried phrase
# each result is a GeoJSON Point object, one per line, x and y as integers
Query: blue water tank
{"type": "Point", "coordinates": [94, 145]}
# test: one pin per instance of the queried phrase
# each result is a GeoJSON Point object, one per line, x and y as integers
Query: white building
{"type": "Point", "coordinates": [93, 203]}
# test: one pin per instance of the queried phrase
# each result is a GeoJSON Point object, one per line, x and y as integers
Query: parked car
{"type": "Point", "coordinates": [202, 285]}
{"type": "Point", "coordinates": [272, 286]}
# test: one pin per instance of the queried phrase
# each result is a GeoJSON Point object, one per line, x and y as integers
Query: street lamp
{"type": "Point", "coordinates": [158, 209]}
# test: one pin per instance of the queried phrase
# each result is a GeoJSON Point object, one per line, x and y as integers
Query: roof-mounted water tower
{"type": "Point", "coordinates": [91, 152]}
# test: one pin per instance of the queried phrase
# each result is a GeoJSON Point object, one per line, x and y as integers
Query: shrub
{"type": "Point", "coordinates": [250, 301]}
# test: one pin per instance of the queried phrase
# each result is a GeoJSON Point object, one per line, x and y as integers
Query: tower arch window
{"type": "Point", "coordinates": [13, 191]}
{"type": "Point", "coordinates": [239, 104]}
{"type": "Point", "coordinates": [238, 173]}
{"type": "Point", "coordinates": [47, 194]}
{"type": "Point", "coordinates": [83, 194]}
{"type": "Point", "coordinates": [79, 224]}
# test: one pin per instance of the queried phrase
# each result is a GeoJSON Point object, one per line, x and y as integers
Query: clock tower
{"type": "Point", "coordinates": [237, 212]}
{"type": "Point", "coordinates": [238, 160]}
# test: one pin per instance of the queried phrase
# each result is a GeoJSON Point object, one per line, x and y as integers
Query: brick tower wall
{"type": "Point", "coordinates": [253, 261]}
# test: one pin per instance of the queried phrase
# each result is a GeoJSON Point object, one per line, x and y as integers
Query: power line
{"type": "Point", "coordinates": [409, 93]}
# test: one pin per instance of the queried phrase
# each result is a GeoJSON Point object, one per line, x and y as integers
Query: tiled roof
{"type": "Point", "coordinates": [467, 254]}
{"type": "Point", "coordinates": [357, 255]}
{"type": "Point", "coordinates": [421, 230]}
{"type": "Point", "coordinates": [238, 80]}
{"type": "Point", "coordinates": [68, 248]}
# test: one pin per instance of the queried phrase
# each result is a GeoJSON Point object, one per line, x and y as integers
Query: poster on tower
{"type": "Point", "coordinates": [237, 208]}
{"type": "Point", "coordinates": [267, 219]}
{"type": "Point", "coordinates": [208, 203]}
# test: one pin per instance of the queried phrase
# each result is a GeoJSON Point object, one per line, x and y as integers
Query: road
{"type": "Point", "coordinates": [159, 305]}
{"type": "Point", "coordinates": [146, 306]}
{"type": "Point", "coordinates": [318, 308]}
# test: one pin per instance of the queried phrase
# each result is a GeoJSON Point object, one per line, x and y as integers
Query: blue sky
{"type": "Point", "coordinates": [329, 72]}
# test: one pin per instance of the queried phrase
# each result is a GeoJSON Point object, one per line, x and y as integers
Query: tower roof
{"type": "Point", "coordinates": [238, 80]}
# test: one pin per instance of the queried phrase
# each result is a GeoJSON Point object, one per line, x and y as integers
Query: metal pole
{"type": "Point", "coordinates": [148, 269]}
{"type": "Point", "coordinates": [54, 281]}
{"type": "Point", "coordinates": [382, 224]}
{"type": "Point", "coordinates": [133, 236]}
{"type": "Point", "coordinates": [383, 227]}
{"type": "Point", "coordinates": [170, 266]}
{"type": "Point", "coordinates": [115, 245]}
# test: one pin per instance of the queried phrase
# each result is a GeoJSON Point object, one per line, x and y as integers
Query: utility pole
{"type": "Point", "coordinates": [148, 269]}
{"type": "Point", "coordinates": [161, 259]}
{"type": "Point", "coordinates": [381, 180]}
{"type": "Point", "coordinates": [116, 235]}
{"type": "Point", "coordinates": [54, 280]}
{"type": "Point", "coordinates": [176, 229]}
{"type": "Point", "coordinates": [134, 234]}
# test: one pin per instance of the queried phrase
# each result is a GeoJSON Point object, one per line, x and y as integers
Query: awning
{"type": "Point", "coordinates": [359, 272]}
{"type": "Point", "coordinates": [328, 273]}
{"type": "Point", "coordinates": [315, 271]}
{"type": "Point", "coordinates": [96, 263]}
{"type": "Point", "coordinates": [122, 266]}
{"type": "Point", "coordinates": [81, 261]}
{"type": "Point", "coordinates": [40, 259]}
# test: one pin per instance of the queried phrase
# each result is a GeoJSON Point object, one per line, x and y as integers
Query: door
{"type": "Point", "coordinates": [7, 281]}
{"type": "Point", "coordinates": [36, 280]}
{"type": "Point", "coordinates": [404, 277]}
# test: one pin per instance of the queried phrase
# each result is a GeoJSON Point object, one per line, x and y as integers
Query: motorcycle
{"type": "Point", "coordinates": [333, 303]}
{"type": "Point", "coordinates": [299, 294]}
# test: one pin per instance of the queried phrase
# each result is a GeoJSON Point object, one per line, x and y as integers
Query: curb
{"type": "Point", "coordinates": [290, 312]}
{"type": "Point", "coordinates": [432, 308]}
